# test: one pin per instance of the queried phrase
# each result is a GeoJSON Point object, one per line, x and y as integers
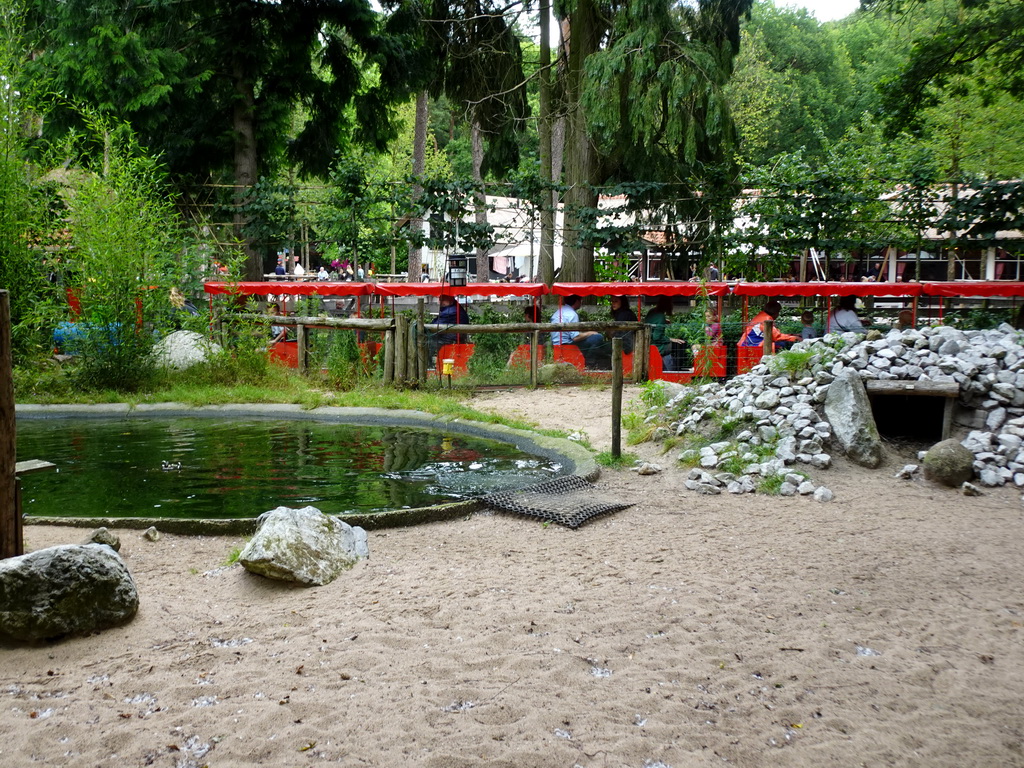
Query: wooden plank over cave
{"type": "Point", "coordinates": [950, 390]}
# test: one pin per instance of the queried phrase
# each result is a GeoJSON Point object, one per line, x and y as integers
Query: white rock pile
{"type": "Point", "coordinates": [778, 423]}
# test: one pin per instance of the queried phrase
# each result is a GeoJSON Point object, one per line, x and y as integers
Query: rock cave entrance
{"type": "Point", "coordinates": [909, 418]}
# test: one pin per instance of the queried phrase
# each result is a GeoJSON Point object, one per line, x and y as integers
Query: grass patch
{"type": "Point", "coordinates": [624, 460]}
{"type": "Point", "coordinates": [642, 433]}
{"type": "Point", "coordinates": [791, 363]}
{"type": "Point", "coordinates": [48, 384]}
{"type": "Point", "coordinates": [771, 484]}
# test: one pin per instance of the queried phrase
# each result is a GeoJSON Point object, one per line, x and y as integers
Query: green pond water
{"type": "Point", "coordinates": [206, 468]}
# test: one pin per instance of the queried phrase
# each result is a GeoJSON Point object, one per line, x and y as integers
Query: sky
{"type": "Point", "coordinates": [823, 10]}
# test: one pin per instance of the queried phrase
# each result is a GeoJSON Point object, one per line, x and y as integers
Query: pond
{"type": "Point", "coordinates": [201, 468]}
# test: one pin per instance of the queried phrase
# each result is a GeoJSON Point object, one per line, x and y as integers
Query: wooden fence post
{"type": "Point", "coordinates": [421, 343]}
{"type": "Point", "coordinates": [302, 347]}
{"type": "Point", "coordinates": [616, 397]}
{"type": "Point", "coordinates": [401, 353]}
{"type": "Point", "coordinates": [535, 350]}
{"type": "Point", "coordinates": [10, 522]}
{"type": "Point", "coordinates": [389, 355]}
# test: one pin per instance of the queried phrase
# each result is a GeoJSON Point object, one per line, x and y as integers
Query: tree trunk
{"type": "Point", "coordinates": [546, 267]}
{"type": "Point", "coordinates": [581, 160]}
{"type": "Point", "coordinates": [9, 544]}
{"type": "Point", "coordinates": [243, 122]}
{"type": "Point", "coordinates": [419, 165]}
{"type": "Point", "coordinates": [479, 198]}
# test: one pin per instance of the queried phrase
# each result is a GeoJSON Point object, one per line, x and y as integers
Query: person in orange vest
{"type": "Point", "coordinates": [753, 334]}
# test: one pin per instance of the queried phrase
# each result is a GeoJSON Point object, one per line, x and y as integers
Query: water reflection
{"type": "Point", "coordinates": [204, 468]}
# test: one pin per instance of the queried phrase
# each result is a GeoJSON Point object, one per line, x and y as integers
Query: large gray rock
{"type": "Point", "coordinates": [303, 545]}
{"type": "Point", "coordinates": [848, 410]}
{"type": "Point", "coordinates": [948, 463]}
{"type": "Point", "coordinates": [183, 349]}
{"type": "Point", "coordinates": [65, 590]}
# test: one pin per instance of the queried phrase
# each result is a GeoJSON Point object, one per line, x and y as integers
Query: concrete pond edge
{"type": "Point", "coordinates": [576, 459]}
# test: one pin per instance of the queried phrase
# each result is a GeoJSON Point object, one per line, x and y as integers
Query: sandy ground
{"type": "Point", "coordinates": [884, 628]}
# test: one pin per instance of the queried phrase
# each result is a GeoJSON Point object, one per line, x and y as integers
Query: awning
{"type": "Point", "coordinates": [473, 289]}
{"type": "Point", "coordinates": [827, 289]}
{"type": "Point", "coordinates": [288, 288]}
{"type": "Point", "coordinates": [660, 288]}
{"type": "Point", "coordinates": [973, 289]}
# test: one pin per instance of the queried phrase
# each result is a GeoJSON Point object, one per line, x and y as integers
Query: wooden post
{"type": "Point", "coordinates": [302, 350]}
{"type": "Point", "coordinates": [421, 343]}
{"type": "Point", "coordinates": [389, 356]}
{"type": "Point", "coordinates": [10, 516]}
{"type": "Point", "coordinates": [641, 356]}
{"type": "Point", "coordinates": [616, 397]}
{"type": "Point", "coordinates": [535, 349]}
{"type": "Point", "coordinates": [412, 353]}
{"type": "Point", "coordinates": [768, 347]}
{"type": "Point", "coordinates": [401, 355]}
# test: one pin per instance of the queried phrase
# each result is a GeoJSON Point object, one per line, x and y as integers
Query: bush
{"type": "Point", "coordinates": [123, 229]}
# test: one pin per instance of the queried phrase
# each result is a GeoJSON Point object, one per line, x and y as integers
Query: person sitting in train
{"type": "Point", "coordinates": [844, 318]}
{"type": "Point", "coordinates": [658, 317]}
{"type": "Point", "coordinates": [753, 334]}
{"type": "Point", "coordinates": [808, 331]}
{"type": "Point", "coordinates": [531, 314]}
{"type": "Point", "coordinates": [590, 343]}
{"type": "Point", "coordinates": [623, 312]}
{"type": "Point", "coordinates": [451, 313]}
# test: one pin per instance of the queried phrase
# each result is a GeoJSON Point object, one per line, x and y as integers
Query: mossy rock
{"type": "Point", "coordinates": [949, 463]}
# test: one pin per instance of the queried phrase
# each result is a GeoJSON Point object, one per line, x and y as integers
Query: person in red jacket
{"type": "Point", "coordinates": [753, 334]}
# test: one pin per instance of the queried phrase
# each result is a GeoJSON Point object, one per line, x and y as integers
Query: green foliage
{"type": "Point", "coordinates": [732, 326]}
{"type": "Point", "coordinates": [125, 240]}
{"type": "Point", "coordinates": [831, 205]}
{"type": "Point", "coordinates": [356, 210]}
{"type": "Point", "coordinates": [21, 205]}
{"type": "Point", "coordinates": [491, 351]}
{"type": "Point", "coordinates": [981, 318]}
{"type": "Point", "coordinates": [960, 46]}
{"type": "Point", "coordinates": [793, 88]}
{"type": "Point", "coordinates": [990, 206]}
{"type": "Point", "coordinates": [450, 204]}
{"type": "Point", "coordinates": [233, 555]}
{"type": "Point", "coordinates": [343, 363]}
{"type": "Point", "coordinates": [653, 394]}
{"type": "Point", "coordinates": [770, 484]}
{"type": "Point", "coordinates": [790, 362]}
{"type": "Point", "coordinates": [611, 270]}
{"type": "Point", "coordinates": [622, 461]}
{"type": "Point", "coordinates": [673, 62]}
{"type": "Point", "coordinates": [314, 76]}
{"type": "Point", "coordinates": [41, 380]}
{"type": "Point", "coordinates": [271, 214]}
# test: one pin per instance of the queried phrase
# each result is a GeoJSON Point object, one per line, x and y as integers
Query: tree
{"type": "Point", "coordinates": [964, 35]}
{"type": "Point", "coordinates": [356, 211]}
{"type": "Point", "coordinates": [642, 91]}
{"type": "Point", "coordinates": [477, 65]}
{"type": "Point", "coordinates": [22, 201]}
{"type": "Point", "coordinates": [793, 84]}
{"type": "Point", "coordinates": [214, 87]}
{"type": "Point", "coordinates": [837, 205]}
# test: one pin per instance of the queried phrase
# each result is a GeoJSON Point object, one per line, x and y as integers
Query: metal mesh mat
{"type": "Point", "coordinates": [569, 501]}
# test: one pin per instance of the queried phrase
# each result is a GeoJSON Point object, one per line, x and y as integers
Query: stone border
{"type": "Point", "coordinates": [576, 459]}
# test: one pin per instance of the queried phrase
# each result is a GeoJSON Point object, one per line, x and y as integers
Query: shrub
{"type": "Point", "coordinates": [790, 362]}
{"type": "Point", "coordinates": [125, 239]}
